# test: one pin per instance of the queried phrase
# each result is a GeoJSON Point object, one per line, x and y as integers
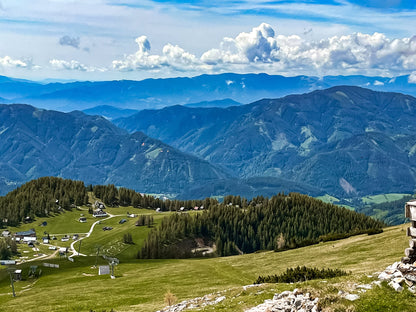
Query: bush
{"type": "Point", "coordinates": [300, 274]}
{"type": "Point", "coordinates": [170, 299]}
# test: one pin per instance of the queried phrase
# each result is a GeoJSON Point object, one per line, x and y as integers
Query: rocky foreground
{"type": "Point", "coordinates": [398, 276]}
{"type": "Point", "coordinates": [289, 301]}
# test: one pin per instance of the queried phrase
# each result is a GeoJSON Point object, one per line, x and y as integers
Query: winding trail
{"type": "Point", "coordinates": [72, 249]}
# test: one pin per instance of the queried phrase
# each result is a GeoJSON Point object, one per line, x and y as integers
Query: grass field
{"type": "Point", "coordinates": [382, 198]}
{"type": "Point", "coordinates": [328, 199]}
{"type": "Point", "coordinates": [140, 285]}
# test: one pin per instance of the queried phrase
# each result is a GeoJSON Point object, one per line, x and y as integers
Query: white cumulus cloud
{"type": "Point", "coordinates": [172, 56]}
{"type": "Point", "coordinates": [73, 65]}
{"type": "Point", "coordinates": [9, 62]}
{"type": "Point", "coordinates": [259, 45]}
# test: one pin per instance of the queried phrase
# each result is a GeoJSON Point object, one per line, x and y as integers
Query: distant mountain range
{"type": "Point", "coordinates": [111, 112]}
{"type": "Point", "coordinates": [36, 142]}
{"type": "Point", "coordinates": [158, 93]}
{"type": "Point", "coordinates": [345, 141]}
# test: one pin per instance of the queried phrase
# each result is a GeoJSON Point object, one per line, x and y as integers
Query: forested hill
{"type": "Point", "coordinates": [283, 221]}
{"type": "Point", "coordinates": [36, 143]}
{"type": "Point", "coordinates": [40, 198]}
{"type": "Point", "coordinates": [49, 195]}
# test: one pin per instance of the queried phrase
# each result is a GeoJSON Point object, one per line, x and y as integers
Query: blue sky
{"type": "Point", "coordinates": [137, 39]}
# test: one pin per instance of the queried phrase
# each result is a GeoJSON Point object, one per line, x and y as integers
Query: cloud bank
{"type": "Point", "coordinates": [261, 49]}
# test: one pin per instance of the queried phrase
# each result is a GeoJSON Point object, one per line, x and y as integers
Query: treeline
{"type": "Point", "coordinates": [278, 223]}
{"type": "Point", "coordinates": [40, 198]}
{"type": "Point", "coordinates": [113, 197]}
{"type": "Point", "coordinates": [300, 274]}
{"type": "Point", "coordinates": [144, 220]}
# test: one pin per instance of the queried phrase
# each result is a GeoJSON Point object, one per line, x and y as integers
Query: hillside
{"type": "Point", "coordinates": [238, 226]}
{"type": "Point", "coordinates": [35, 143]}
{"type": "Point", "coordinates": [346, 141]}
{"type": "Point", "coordinates": [41, 198]}
{"type": "Point", "coordinates": [140, 285]}
{"type": "Point", "coordinates": [109, 112]}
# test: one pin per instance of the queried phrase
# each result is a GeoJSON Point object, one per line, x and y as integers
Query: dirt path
{"type": "Point", "coordinates": [72, 249]}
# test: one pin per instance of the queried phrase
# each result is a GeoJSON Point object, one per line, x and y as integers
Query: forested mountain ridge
{"type": "Point", "coordinates": [347, 141]}
{"type": "Point", "coordinates": [281, 222]}
{"type": "Point", "coordinates": [35, 143]}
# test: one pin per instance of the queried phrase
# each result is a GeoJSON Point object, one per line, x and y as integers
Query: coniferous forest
{"type": "Point", "coordinates": [278, 223]}
{"type": "Point", "coordinates": [40, 198]}
{"type": "Point", "coordinates": [235, 226]}
{"type": "Point", "coordinates": [113, 197]}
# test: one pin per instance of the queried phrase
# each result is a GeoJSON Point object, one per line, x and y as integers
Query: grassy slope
{"type": "Point", "coordinates": [382, 198]}
{"type": "Point", "coordinates": [140, 284]}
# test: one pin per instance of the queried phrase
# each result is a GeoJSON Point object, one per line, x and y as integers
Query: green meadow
{"type": "Point", "coordinates": [140, 285]}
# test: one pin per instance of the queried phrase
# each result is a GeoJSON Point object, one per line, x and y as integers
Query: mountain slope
{"type": "Point", "coordinates": [345, 140]}
{"type": "Point", "coordinates": [109, 112]}
{"type": "Point", "coordinates": [217, 103]}
{"type": "Point", "coordinates": [35, 143]}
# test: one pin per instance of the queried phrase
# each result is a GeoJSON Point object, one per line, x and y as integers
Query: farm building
{"type": "Point", "coordinates": [26, 235]}
{"type": "Point", "coordinates": [99, 213]}
{"type": "Point", "coordinates": [5, 233]}
{"type": "Point", "coordinates": [82, 219]}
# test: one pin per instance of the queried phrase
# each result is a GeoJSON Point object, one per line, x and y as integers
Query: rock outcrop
{"type": "Point", "coordinates": [293, 301]}
{"type": "Point", "coordinates": [400, 275]}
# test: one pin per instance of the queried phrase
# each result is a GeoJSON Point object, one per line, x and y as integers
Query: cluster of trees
{"type": "Point", "coordinates": [281, 222]}
{"type": "Point", "coordinates": [300, 274]}
{"type": "Point", "coordinates": [113, 197]}
{"type": "Point", "coordinates": [145, 220]}
{"type": "Point", "coordinates": [40, 198]}
{"type": "Point", "coordinates": [8, 248]}
{"type": "Point", "coordinates": [128, 238]}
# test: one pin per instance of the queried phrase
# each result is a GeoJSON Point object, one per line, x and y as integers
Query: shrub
{"type": "Point", "coordinates": [170, 299]}
{"type": "Point", "coordinates": [300, 274]}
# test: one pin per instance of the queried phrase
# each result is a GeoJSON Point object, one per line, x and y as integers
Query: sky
{"type": "Point", "coordinates": [138, 39]}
